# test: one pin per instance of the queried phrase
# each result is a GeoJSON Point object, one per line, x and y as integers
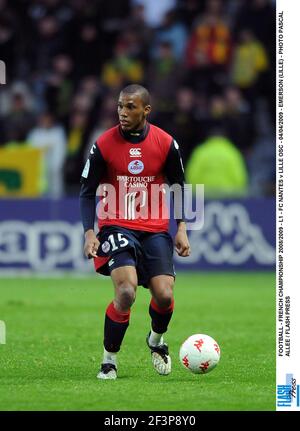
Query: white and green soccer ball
{"type": "Point", "coordinates": [199, 353]}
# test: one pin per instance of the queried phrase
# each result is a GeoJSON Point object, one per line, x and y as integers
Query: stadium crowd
{"type": "Point", "coordinates": [209, 66]}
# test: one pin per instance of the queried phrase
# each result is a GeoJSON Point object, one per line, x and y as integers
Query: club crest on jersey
{"type": "Point", "coordinates": [135, 152]}
{"type": "Point", "coordinates": [136, 167]}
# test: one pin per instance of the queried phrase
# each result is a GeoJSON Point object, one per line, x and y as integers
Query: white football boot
{"type": "Point", "coordinates": [160, 358]}
{"type": "Point", "coordinates": [107, 372]}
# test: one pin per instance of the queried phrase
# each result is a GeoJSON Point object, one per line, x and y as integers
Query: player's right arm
{"type": "Point", "coordinates": [91, 176]}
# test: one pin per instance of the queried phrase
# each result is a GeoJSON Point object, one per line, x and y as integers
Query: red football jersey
{"type": "Point", "coordinates": [132, 193]}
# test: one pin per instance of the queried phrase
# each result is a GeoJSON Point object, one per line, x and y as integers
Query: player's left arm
{"type": "Point", "coordinates": [174, 172]}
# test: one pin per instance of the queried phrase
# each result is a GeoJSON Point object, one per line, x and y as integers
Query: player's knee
{"type": "Point", "coordinates": [164, 301]}
{"type": "Point", "coordinates": [125, 295]}
{"type": "Point", "coordinates": [165, 298]}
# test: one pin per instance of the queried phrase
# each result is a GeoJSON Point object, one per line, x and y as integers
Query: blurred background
{"type": "Point", "coordinates": [210, 68]}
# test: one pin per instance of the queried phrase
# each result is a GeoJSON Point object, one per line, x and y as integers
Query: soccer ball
{"type": "Point", "coordinates": [199, 353]}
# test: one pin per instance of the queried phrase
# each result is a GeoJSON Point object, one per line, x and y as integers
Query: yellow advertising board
{"type": "Point", "coordinates": [21, 171]}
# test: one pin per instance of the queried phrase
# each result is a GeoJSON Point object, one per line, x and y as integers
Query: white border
{"type": "Point", "coordinates": [291, 263]}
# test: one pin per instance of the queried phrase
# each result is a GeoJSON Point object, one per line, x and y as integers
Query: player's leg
{"type": "Point", "coordinates": [118, 313]}
{"type": "Point", "coordinates": [158, 263]}
{"type": "Point", "coordinates": [160, 310]}
{"type": "Point", "coordinates": [161, 306]}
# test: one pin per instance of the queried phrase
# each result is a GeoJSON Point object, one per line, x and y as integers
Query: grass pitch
{"type": "Point", "coordinates": [54, 345]}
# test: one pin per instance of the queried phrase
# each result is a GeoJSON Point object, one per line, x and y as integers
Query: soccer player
{"type": "Point", "coordinates": [133, 245]}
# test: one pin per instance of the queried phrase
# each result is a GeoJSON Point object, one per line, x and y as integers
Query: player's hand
{"type": "Point", "coordinates": [91, 244]}
{"type": "Point", "coordinates": [182, 245]}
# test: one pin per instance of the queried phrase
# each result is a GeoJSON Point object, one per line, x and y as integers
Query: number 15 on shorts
{"type": "Point", "coordinates": [119, 242]}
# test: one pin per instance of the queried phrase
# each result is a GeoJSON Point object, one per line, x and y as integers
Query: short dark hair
{"type": "Point", "coordinates": [138, 89]}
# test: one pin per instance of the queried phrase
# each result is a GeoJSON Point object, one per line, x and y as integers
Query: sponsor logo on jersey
{"type": "Point", "coordinates": [135, 152]}
{"type": "Point", "coordinates": [93, 149]}
{"type": "Point", "coordinates": [111, 262]}
{"type": "Point", "coordinates": [136, 167]}
{"type": "Point", "coordinates": [105, 247]}
{"type": "Point", "coordinates": [138, 182]}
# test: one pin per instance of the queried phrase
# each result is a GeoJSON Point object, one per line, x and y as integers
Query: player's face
{"type": "Point", "coordinates": [132, 112]}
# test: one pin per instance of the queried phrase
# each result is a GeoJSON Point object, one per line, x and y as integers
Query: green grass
{"type": "Point", "coordinates": [54, 344]}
